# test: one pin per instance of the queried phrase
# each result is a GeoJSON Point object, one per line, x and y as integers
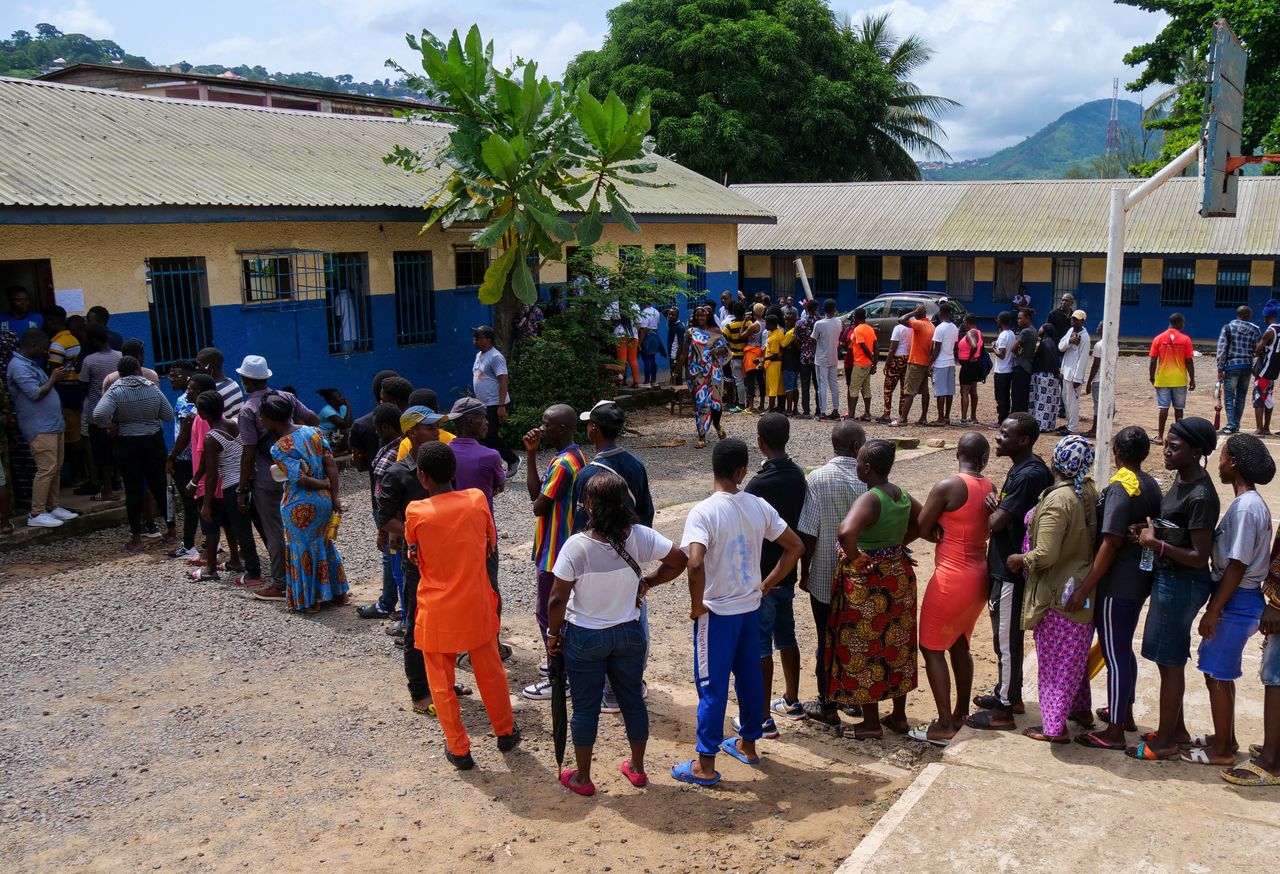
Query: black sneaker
{"type": "Point", "coordinates": [507, 742]}
{"type": "Point", "coordinates": [373, 611]}
{"type": "Point", "coordinates": [150, 529]}
{"type": "Point", "coordinates": [462, 763]}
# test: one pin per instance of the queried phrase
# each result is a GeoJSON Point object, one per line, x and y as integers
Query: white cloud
{"type": "Point", "coordinates": [1016, 65]}
{"type": "Point", "coordinates": [79, 17]}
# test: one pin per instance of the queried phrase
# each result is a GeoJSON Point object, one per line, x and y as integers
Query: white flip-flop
{"type": "Point", "coordinates": [921, 733]}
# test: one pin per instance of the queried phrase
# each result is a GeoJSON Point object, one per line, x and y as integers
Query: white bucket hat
{"type": "Point", "coordinates": [254, 367]}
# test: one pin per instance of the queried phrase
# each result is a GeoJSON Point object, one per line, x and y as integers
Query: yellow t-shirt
{"type": "Point", "coordinates": [445, 438]}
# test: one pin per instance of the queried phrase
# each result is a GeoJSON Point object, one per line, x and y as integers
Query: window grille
{"type": "Point", "coordinates": [960, 278]}
{"type": "Point", "coordinates": [870, 275]}
{"type": "Point", "coordinates": [178, 306]}
{"type": "Point", "coordinates": [783, 275]}
{"type": "Point", "coordinates": [1178, 285]}
{"type": "Point", "coordinates": [284, 277]}
{"type": "Point", "coordinates": [1008, 279]}
{"type": "Point", "coordinates": [1066, 276]}
{"type": "Point", "coordinates": [826, 275]}
{"type": "Point", "coordinates": [915, 273]}
{"type": "Point", "coordinates": [347, 305]}
{"type": "Point", "coordinates": [697, 272]}
{"type": "Point", "coordinates": [415, 298]}
{"type": "Point", "coordinates": [1233, 284]}
{"type": "Point", "coordinates": [470, 266]}
{"type": "Point", "coordinates": [1131, 283]}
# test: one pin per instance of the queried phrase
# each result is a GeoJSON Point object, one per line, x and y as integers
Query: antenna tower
{"type": "Point", "coordinates": [1113, 126]}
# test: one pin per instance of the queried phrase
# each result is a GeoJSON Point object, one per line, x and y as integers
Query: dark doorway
{"type": "Point", "coordinates": [35, 275]}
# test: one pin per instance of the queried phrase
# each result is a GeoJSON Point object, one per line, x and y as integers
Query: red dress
{"type": "Point", "coordinates": [959, 586]}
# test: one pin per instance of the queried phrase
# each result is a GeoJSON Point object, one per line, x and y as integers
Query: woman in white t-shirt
{"type": "Point", "coordinates": [1002, 365]}
{"type": "Point", "coordinates": [593, 618]}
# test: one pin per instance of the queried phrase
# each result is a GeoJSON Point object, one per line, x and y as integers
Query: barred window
{"type": "Point", "coordinates": [783, 275]}
{"type": "Point", "coordinates": [1233, 284]}
{"type": "Point", "coordinates": [1131, 283]}
{"type": "Point", "coordinates": [915, 273]}
{"type": "Point", "coordinates": [178, 306]}
{"type": "Point", "coordinates": [415, 298]}
{"type": "Point", "coordinates": [1008, 279]}
{"type": "Point", "coordinates": [1178, 285]}
{"type": "Point", "coordinates": [470, 265]}
{"type": "Point", "coordinates": [826, 275]}
{"type": "Point", "coordinates": [870, 280]}
{"type": "Point", "coordinates": [284, 277]}
{"type": "Point", "coordinates": [697, 272]}
{"type": "Point", "coordinates": [960, 278]}
{"type": "Point", "coordinates": [347, 304]}
{"type": "Point", "coordinates": [1066, 276]}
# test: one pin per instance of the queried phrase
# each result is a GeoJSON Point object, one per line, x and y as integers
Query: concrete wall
{"type": "Point", "coordinates": [108, 263]}
{"type": "Point", "coordinates": [1148, 317]}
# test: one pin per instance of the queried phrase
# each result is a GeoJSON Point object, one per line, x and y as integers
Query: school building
{"type": "Point", "coordinates": [979, 241]}
{"type": "Point", "coordinates": [277, 232]}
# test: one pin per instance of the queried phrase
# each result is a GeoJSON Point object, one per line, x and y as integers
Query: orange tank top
{"type": "Point", "coordinates": [965, 531]}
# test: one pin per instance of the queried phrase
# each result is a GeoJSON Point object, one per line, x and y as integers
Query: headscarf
{"type": "Point", "coordinates": [1252, 458]}
{"type": "Point", "coordinates": [1197, 432]}
{"type": "Point", "coordinates": [1073, 456]}
{"type": "Point", "coordinates": [1271, 309]}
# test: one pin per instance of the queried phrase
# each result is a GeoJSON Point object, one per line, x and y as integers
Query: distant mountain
{"type": "Point", "coordinates": [25, 56]}
{"type": "Point", "coordinates": [1073, 140]}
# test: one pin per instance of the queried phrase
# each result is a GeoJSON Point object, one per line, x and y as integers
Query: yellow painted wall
{"type": "Point", "coordinates": [108, 261]}
{"type": "Point", "coordinates": [1093, 270]}
{"type": "Point", "coordinates": [984, 269]}
{"type": "Point", "coordinates": [1262, 273]}
{"type": "Point", "coordinates": [1152, 271]}
{"type": "Point", "coordinates": [891, 267]}
{"type": "Point", "coordinates": [1037, 270]}
{"type": "Point", "coordinates": [1206, 271]}
{"type": "Point", "coordinates": [848, 267]}
{"type": "Point", "coordinates": [938, 268]}
{"type": "Point", "coordinates": [757, 266]}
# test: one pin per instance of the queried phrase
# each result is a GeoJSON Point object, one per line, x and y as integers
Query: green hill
{"type": "Point", "coordinates": [1072, 140]}
{"type": "Point", "coordinates": [26, 56]}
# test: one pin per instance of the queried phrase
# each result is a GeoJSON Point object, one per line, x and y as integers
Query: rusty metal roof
{"type": "Point", "coordinates": [1024, 217]}
{"type": "Point", "coordinates": [68, 146]}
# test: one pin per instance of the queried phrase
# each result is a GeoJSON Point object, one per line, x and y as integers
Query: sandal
{"type": "Point", "coordinates": [730, 745]}
{"type": "Point", "coordinates": [1142, 752]}
{"type": "Point", "coordinates": [1104, 714]}
{"type": "Point", "coordinates": [683, 772]}
{"type": "Point", "coordinates": [868, 735]}
{"type": "Point", "coordinates": [984, 721]}
{"type": "Point", "coordinates": [1037, 733]}
{"type": "Point", "coordinates": [1090, 739]}
{"type": "Point", "coordinates": [1199, 756]}
{"type": "Point", "coordinates": [429, 709]}
{"type": "Point", "coordinates": [198, 576]}
{"type": "Point", "coordinates": [1197, 740]}
{"type": "Point", "coordinates": [921, 733]}
{"type": "Point", "coordinates": [638, 779]}
{"type": "Point", "coordinates": [1259, 778]}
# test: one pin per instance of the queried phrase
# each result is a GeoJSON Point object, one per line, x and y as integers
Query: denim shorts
{"type": "Point", "coordinates": [777, 621]}
{"type": "Point", "coordinates": [1176, 598]}
{"type": "Point", "coordinates": [1175, 397]}
{"type": "Point", "coordinates": [790, 379]}
{"type": "Point", "coordinates": [1220, 655]}
{"type": "Point", "coordinates": [1270, 672]}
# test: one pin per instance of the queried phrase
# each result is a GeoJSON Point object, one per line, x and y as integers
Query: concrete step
{"type": "Point", "coordinates": [94, 516]}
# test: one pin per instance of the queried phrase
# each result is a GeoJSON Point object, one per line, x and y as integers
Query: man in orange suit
{"type": "Point", "coordinates": [458, 608]}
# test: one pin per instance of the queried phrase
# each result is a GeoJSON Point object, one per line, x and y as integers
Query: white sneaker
{"type": "Point", "coordinates": [539, 691]}
{"type": "Point", "coordinates": [64, 514]}
{"type": "Point", "coordinates": [43, 520]}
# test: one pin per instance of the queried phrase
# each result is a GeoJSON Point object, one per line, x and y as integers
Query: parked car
{"type": "Point", "coordinates": [884, 311]}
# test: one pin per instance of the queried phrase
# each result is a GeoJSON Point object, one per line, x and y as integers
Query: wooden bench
{"type": "Point", "coordinates": [681, 400]}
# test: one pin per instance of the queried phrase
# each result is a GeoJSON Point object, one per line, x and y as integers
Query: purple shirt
{"type": "Point", "coordinates": [252, 433]}
{"type": "Point", "coordinates": [479, 467]}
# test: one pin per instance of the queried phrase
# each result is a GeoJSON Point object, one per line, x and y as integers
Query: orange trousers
{"type": "Point", "coordinates": [628, 352]}
{"type": "Point", "coordinates": [491, 680]}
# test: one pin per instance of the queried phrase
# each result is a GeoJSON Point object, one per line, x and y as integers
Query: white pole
{"type": "Point", "coordinates": [804, 279]}
{"type": "Point", "coordinates": [1110, 338]}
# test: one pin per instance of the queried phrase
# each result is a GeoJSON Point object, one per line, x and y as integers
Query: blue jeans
{"type": "Point", "coordinates": [649, 363]}
{"type": "Point", "coordinates": [1235, 392]}
{"type": "Point", "coordinates": [591, 654]}
{"type": "Point", "coordinates": [392, 580]}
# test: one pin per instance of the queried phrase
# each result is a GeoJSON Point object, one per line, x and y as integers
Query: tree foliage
{"type": "Point", "coordinates": [523, 150]}
{"type": "Point", "coordinates": [751, 90]}
{"type": "Point", "coordinates": [1179, 51]}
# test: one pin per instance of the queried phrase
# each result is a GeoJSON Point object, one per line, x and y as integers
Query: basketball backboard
{"type": "Point", "coordinates": [1224, 115]}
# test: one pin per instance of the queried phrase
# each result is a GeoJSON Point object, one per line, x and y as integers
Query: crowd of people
{"type": "Point", "coordinates": [1046, 552]}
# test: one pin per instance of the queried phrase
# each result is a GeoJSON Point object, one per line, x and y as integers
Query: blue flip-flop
{"type": "Point", "coordinates": [730, 745]}
{"type": "Point", "coordinates": [684, 773]}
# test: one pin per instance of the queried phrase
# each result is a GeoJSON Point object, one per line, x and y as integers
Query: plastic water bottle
{"type": "Point", "coordinates": [1070, 589]}
{"type": "Point", "coordinates": [1148, 560]}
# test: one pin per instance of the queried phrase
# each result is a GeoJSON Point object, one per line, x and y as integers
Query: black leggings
{"type": "Point", "coordinates": [140, 461]}
{"type": "Point", "coordinates": [182, 474]}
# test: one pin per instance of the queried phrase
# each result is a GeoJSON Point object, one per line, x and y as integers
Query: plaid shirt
{"type": "Point", "coordinates": [1236, 344]}
{"type": "Point", "coordinates": [832, 490]}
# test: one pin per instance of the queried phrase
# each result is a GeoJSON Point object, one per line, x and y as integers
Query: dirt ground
{"type": "Point", "coordinates": [148, 723]}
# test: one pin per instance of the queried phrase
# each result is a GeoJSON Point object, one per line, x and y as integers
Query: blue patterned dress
{"type": "Point", "coordinates": [708, 353]}
{"type": "Point", "coordinates": [314, 572]}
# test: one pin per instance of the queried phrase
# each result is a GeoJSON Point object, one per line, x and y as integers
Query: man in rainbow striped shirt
{"type": "Point", "coordinates": [552, 496]}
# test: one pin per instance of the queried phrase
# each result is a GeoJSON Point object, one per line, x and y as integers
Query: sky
{"type": "Point", "coordinates": [1015, 65]}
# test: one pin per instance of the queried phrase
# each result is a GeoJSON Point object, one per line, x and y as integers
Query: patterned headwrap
{"type": "Point", "coordinates": [1073, 456]}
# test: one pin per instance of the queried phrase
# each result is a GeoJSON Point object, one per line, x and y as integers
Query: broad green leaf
{"type": "Point", "coordinates": [615, 120]}
{"type": "Point", "coordinates": [522, 282]}
{"type": "Point", "coordinates": [551, 222]}
{"type": "Point", "coordinates": [508, 94]}
{"type": "Point", "coordinates": [489, 237]}
{"type": "Point", "coordinates": [495, 278]}
{"type": "Point", "coordinates": [620, 213]}
{"type": "Point", "coordinates": [476, 69]}
{"type": "Point", "coordinates": [500, 158]}
{"type": "Point", "coordinates": [591, 225]}
{"type": "Point", "coordinates": [591, 116]}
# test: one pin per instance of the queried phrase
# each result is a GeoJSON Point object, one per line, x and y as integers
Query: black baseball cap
{"type": "Point", "coordinates": [606, 413]}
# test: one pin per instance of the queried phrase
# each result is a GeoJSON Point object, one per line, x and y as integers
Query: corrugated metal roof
{"type": "Point", "coordinates": [1049, 217]}
{"type": "Point", "coordinates": [67, 146]}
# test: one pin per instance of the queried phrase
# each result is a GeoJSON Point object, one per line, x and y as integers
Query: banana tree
{"type": "Point", "coordinates": [532, 164]}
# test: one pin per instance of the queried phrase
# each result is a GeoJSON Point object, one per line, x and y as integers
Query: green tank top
{"type": "Point", "coordinates": [891, 527]}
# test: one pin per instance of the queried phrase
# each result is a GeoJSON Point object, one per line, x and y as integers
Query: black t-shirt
{"type": "Point", "coordinates": [1187, 507]}
{"type": "Point", "coordinates": [1020, 492]}
{"type": "Point", "coordinates": [1047, 358]}
{"type": "Point", "coordinates": [632, 471]}
{"type": "Point", "coordinates": [782, 485]}
{"type": "Point", "coordinates": [1116, 512]}
{"type": "Point", "coordinates": [1026, 349]}
{"type": "Point", "coordinates": [791, 355]}
{"type": "Point", "coordinates": [399, 487]}
{"type": "Point", "coordinates": [1058, 323]}
{"type": "Point", "coordinates": [364, 437]}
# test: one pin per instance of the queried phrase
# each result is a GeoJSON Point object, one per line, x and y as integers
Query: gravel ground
{"type": "Point", "coordinates": [147, 722]}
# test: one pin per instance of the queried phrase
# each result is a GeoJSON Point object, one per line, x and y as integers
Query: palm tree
{"type": "Point", "coordinates": [910, 119]}
{"type": "Point", "coordinates": [1193, 68]}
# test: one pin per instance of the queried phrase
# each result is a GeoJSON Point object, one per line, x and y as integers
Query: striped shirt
{"type": "Point", "coordinates": [136, 405]}
{"type": "Point", "coordinates": [93, 370]}
{"type": "Point", "coordinates": [553, 529]}
{"type": "Point", "coordinates": [232, 397]}
{"type": "Point", "coordinates": [832, 490]}
{"type": "Point", "coordinates": [229, 449]}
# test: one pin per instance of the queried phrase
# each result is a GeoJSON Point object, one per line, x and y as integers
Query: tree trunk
{"type": "Point", "coordinates": [506, 312]}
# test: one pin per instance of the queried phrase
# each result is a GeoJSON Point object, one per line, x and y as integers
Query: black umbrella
{"type": "Point", "coordinates": [559, 705]}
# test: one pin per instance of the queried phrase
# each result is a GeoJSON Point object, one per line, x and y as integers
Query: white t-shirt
{"type": "Point", "coordinates": [900, 341]}
{"type": "Point", "coordinates": [613, 313]}
{"type": "Point", "coordinates": [604, 594]}
{"type": "Point", "coordinates": [649, 318]}
{"type": "Point", "coordinates": [946, 334]}
{"type": "Point", "coordinates": [826, 333]}
{"type": "Point", "coordinates": [733, 528]}
{"type": "Point", "coordinates": [488, 366]}
{"type": "Point", "coordinates": [1005, 341]}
